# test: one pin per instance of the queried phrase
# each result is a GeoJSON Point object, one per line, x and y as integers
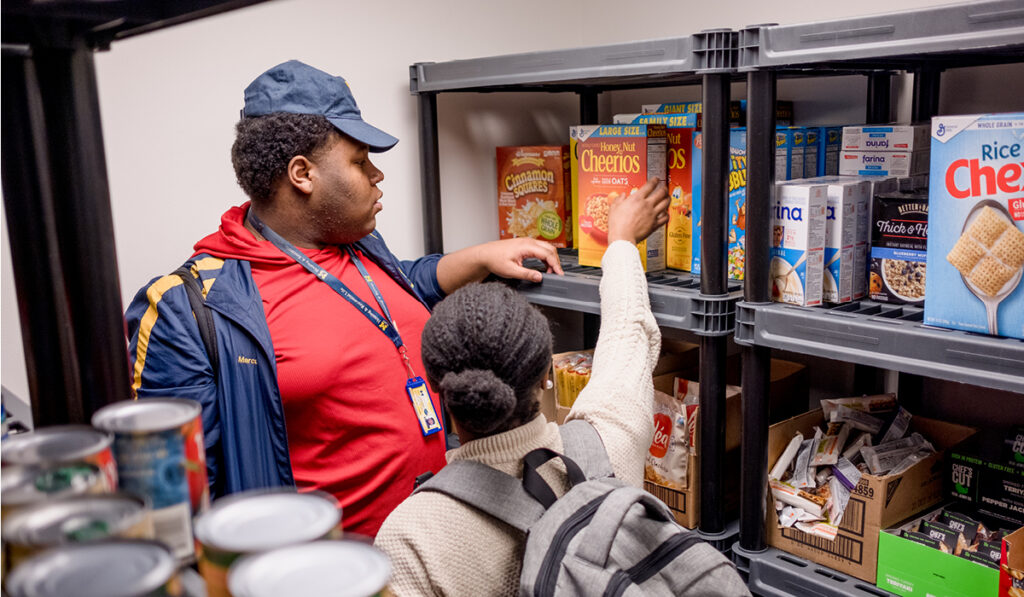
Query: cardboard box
{"type": "Point", "coordinates": [912, 569]}
{"type": "Point", "coordinates": [883, 163]}
{"type": "Point", "coordinates": [876, 503]}
{"type": "Point", "coordinates": [798, 243]}
{"type": "Point", "coordinates": [1011, 566]}
{"type": "Point", "coordinates": [735, 250]}
{"type": "Point", "coordinates": [979, 476]}
{"type": "Point", "coordinates": [895, 137]}
{"type": "Point", "coordinates": [787, 385]}
{"type": "Point", "coordinates": [533, 193]}
{"type": "Point", "coordinates": [976, 186]}
{"type": "Point", "coordinates": [679, 232]}
{"type": "Point", "coordinates": [611, 161]}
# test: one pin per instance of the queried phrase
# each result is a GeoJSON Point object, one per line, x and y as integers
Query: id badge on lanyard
{"type": "Point", "coordinates": [415, 387]}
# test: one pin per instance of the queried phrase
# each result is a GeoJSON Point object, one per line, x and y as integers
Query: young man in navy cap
{"type": "Point", "coordinates": [317, 323]}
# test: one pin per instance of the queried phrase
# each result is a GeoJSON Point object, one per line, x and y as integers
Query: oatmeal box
{"type": "Point", "coordinates": [533, 193]}
{"type": "Point", "coordinates": [976, 224]}
{"type": "Point", "coordinates": [611, 161]}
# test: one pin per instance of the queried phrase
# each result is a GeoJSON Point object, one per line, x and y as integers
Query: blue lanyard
{"type": "Point", "coordinates": [382, 322]}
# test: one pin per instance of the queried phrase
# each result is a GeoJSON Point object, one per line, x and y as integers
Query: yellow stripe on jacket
{"type": "Point", "coordinates": [154, 293]}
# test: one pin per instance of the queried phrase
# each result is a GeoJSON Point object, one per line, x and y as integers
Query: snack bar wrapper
{"type": "Point", "coordinates": [879, 403]}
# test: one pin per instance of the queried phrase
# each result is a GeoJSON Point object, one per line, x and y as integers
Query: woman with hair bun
{"type": "Point", "coordinates": [488, 354]}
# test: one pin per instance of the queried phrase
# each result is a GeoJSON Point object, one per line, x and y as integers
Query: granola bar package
{"type": "Point", "coordinates": [976, 224]}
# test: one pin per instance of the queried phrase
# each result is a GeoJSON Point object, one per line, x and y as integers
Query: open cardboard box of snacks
{"type": "Point", "coordinates": [787, 381]}
{"type": "Point", "coordinates": [877, 502]}
{"type": "Point", "coordinates": [933, 561]}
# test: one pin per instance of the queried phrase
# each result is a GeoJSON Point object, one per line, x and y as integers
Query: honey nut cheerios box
{"type": "Point", "coordinates": [533, 193]}
{"type": "Point", "coordinates": [610, 161]}
{"type": "Point", "coordinates": [976, 224]}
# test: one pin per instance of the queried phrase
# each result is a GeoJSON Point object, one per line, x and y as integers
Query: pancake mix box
{"type": "Point", "coordinates": [533, 193]}
{"type": "Point", "coordinates": [976, 224]}
{"type": "Point", "coordinates": [611, 161]}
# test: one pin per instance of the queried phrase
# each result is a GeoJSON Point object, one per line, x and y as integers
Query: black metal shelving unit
{"type": "Point", "coordinates": [57, 199]}
{"type": "Point", "coordinates": [923, 42]}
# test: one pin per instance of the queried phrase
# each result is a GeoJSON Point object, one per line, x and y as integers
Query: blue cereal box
{"type": "Point", "coordinates": [798, 241]}
{"type": "Point", "coordinates": [831, 142]}
{"type": "Point", "coordinates": [789, 153]}
{"type": "Point", "coordinates": [737, 200]}
{"type": "Point", "coordinates": [976, 224]}
{"type": "Point", "coordinates": [812, 145]}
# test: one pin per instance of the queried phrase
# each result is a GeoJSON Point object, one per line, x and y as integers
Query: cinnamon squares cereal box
{"type": "Point", "coordinates": [533, 193]}
{"type": "Point", "coordinates": [611, 161]}
{"type": "Point", "coordinates": [976, 224]}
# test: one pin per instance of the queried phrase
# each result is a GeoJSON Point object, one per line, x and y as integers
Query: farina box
{"type": "Point", "coordinates": [894, 137]}
{"type": "Point", "coordinates": [679, 232]}
{"type": "Point", "coordinates": [840, 242]}
{"type": "Point", "coordinates": [883, 163]}
{"type": "Point", "coordinates": [798, 242]}
{"type": "Point", "coordinates": [899, 245]}
{"type": "Point", "coordinates": [737, 201]}
{"type": "Point", "coordinates": [789, 153]}
{"type": "Point", "coordinates": [533, 193]}
{"type": "Point", "coordinates": [614, 160]}
{"type": "Point", "coordinates": [877, 502]}
{"type": "Point", "coordinates": [976, 224]}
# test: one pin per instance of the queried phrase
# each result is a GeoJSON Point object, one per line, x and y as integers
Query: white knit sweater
{"type": "Point", "coordinates": [439, 546]}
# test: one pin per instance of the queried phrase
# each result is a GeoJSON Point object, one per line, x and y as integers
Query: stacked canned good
{"type": "Point", "coordinates": [129, 497]}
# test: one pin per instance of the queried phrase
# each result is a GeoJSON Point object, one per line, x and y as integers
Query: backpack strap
{"type": "Point", "coordinates": [488, 490]}
{"type": "Point", "coordinates": [202, 313]}
{"type": "Point", "coordinates": [583, 444]}
{"type": "Point", "coordinates": [599, 536]}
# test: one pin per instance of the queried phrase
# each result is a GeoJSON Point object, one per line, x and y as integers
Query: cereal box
{"type": "Point", "coordinates": [812, 145]}
{"type": "Point", "coordinates": [533, 191]}
{"type": "Point", "coordinates": [894, 137]}
{"type": "Point", "coordinates": [737, 201]}
{"type": "Point", "coordinates": [828, 154]}
{"type": "Point", "coordinates": [899, 242]}
{"type": "Point", "coordinates": [976, 224]}
{"type": "Point", "coordinates": [612, 161]}
{"type": "Point", "coordinates": [789, 153]}
{"type": "Point", "coordinates": [679, 235]}
{"type": "Point", "coordinates": [840, 242]}
{"type": "Point", "coordinates": [737, 111]}
{"type": "Point", "coordinates": [883, 163]}
{"type": "Point", "coordinates": [798, 242]}
{"type": "Point", "coordinates": [670, 120]}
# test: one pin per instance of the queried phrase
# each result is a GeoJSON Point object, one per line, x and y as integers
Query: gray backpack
{"type": "Point", "coordinates": [602, 537]}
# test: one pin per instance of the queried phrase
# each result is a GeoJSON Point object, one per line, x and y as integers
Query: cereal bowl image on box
{"type": "Point", "coordinates": [976, 224]}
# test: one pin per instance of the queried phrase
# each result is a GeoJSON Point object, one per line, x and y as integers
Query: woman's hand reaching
{"type": "Point", "coordinates": [635, 216]}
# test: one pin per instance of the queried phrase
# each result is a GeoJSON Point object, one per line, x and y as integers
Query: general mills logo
{"type": "Point", "coordinates": [963, 476]}
{"type": "Point", "coordinates": [941, 131]}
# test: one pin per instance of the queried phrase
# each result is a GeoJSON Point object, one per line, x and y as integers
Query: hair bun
{"type": "Point", "coordinates": [478, 399]}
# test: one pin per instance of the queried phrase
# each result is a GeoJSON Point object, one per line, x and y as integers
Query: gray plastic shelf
{"type": "Point", "coordinates": [640, 62]}
{"type": "Point", "coordinates": [886, 336]}
{"type": "Point", "coordinates": [991, 29]}
{"type": "Point", "coordinates": [774, 573]}
{"type": "Point", "coordinates": [675, 297]}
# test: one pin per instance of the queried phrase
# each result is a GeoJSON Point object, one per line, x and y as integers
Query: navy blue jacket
{"type": "Point", "coordinates": [243, 420]}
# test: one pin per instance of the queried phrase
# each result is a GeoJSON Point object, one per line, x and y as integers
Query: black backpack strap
{"type": "Point", "coordinates": [202, 313]}
{"type": "Point", "coordinates": [582, 443]}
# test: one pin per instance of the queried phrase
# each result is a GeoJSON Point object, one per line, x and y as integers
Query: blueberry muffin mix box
{"type": "Point", "coordinates": [976, 224]}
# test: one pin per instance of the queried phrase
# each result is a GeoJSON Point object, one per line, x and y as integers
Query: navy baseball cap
{"type": "Point", "coordinates": [298, 88]}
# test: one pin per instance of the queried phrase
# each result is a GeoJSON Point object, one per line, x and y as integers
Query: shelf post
{"type": "Point", "coordinates": [65, 95]}
{"type": "Point", "coordinates": [879, 98]}
{"type": "Point", "coordinates": [589, 115]}
{"type": "Point", "coordinates": [430, 173]}
{"type": "Point", "coordinates": [715, 215]}
{"type": "Point", "coordinates": [46, 331]}
{"type": "Point", "coordinates": [755, 379]}
{"type": "Point", "coordinates": [926, 94]}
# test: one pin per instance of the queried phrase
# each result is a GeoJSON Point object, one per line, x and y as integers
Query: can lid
{"type": "Point", "coordinates": [150, 414]}
{"type": "Point", "coordinates": [338, 568]}
{"type": "Point", "coordinates": [109, 568]}
{"type": "Point", "coordinates": [261, 520]}
{"type": "Point", "coordinates": [73, 519]}
{"type": "Point", "coordinates": [28, 484]}
{"type": "Point", "coordinates": [60, 443]}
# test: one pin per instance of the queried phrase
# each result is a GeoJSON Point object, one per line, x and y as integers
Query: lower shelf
{"type": "Point", "coordinates": [774, 573]}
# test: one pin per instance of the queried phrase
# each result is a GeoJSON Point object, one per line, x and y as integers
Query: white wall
{"type": "Point", "coordinates": [169, 101]}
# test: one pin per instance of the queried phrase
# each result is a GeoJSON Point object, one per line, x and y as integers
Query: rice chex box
{"type": "Point", "coordinates": [611, 161]}
{"type": "Point", "coordinates": [976, 224]}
